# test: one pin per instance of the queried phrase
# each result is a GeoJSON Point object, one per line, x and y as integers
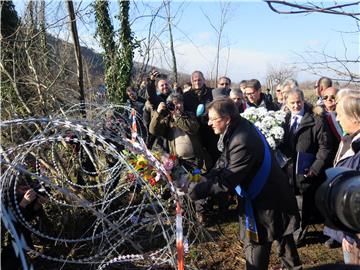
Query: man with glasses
{"type": "Point", "coordinates": [322, 84]}
{"type": "Point", "coordinates": [328, 109]}
{"type": "Point", "coordinates": [255, 98]}
{"type": "Point", "coordinates": [267, 206]}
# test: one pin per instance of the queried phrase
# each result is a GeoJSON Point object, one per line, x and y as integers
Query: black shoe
{"type": "Point", "coordinates": [331, 243]}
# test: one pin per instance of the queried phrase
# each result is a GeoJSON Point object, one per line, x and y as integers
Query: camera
{"type": "Point", "coordinates": [338, 199]}
{"type": "Point", "coordinates": [170, 106]}
{"type": "Point", "coordinates": [40, 190]}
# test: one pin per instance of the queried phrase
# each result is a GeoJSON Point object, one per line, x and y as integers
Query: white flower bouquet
{"type": "Point", "coordinates": [268, 122]}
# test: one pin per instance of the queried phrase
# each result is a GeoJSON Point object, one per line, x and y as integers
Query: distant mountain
{"type": "Point", "coordinates": [94, 64]}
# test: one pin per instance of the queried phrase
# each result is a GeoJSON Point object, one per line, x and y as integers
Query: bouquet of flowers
{"type": "Point", "coordinates": [268, 122]}
{"type": "Point", "coordinates": [152, 175]}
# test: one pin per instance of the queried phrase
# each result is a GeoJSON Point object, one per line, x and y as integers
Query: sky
{"type": "Point", "coordinates": [254, 40]}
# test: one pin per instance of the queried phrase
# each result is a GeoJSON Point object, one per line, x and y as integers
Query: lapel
{"type": "Point", "coordinates": [306, 121]}
{"type": "Point", "coordinates": [350, 152]}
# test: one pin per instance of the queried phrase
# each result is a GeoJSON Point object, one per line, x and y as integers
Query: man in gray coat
{"type": "Point", "coordinates": [267, 205]}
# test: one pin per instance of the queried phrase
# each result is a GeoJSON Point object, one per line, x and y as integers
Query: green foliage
{"type": "Point", "coordinates": [9, 18]}
{"type": "Point", "coordinates": [118, 59]}
{"type": "Point", "coordinates": [125, 59]}
{"type": "Point", "coordinates": [105, 31]}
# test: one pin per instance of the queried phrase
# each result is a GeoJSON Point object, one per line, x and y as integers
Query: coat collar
{"type": "Point", "coordinates": [307, 119]}
{"type": "Point", "coordinates": [353, 149]}
{"type": "Point", "coordinates": [236, 122]}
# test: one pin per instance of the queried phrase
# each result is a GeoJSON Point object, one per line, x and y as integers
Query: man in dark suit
{"type": "Point", "coordinates": [267, 205]}
{"type": "Point", "coordinates": [309, 147]}
{"type": "Point", "coordinates": [195, 101]}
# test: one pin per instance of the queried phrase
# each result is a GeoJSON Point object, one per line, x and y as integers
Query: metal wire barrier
{"type": "Point", "coordinates": [99, 211]}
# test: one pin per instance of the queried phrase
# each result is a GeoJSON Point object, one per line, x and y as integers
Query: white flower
{"type": "Point", "coordinates": [277, 132]}
{"type": "Point", "coordinates": [280, 116]}
{"type": "Point", "coordinates": [261, 112]}
{"type": "Point", "coordinates": [268, 122]}
{"type": "Point", "coordinates": [271, 142]}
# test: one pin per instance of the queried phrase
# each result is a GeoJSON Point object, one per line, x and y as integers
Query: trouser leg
{"type": "Point", "coordinates": [257, 256]}
{"type": "Point", "coordinates": [299, 234]}
{"type": "Point", "coordinates": [288, 254]}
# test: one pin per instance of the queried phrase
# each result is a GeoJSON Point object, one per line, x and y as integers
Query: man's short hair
{"type": "Point", "coordinates": [236, 92]}
{"type": "Point", "coordinates": [224, 106]}
{"type": "Point", "coordinates": [177, 96]}
{"type": "Point", "coordinates": [224, 77]}
{"type": "Point", "coordinates": [296, 91]}
{"type": "Point", "coordinates": [243, 82]}
{"type": "Point", "coordinates": [292, 83]}
{"type": "Point", "coordinates": [254, 84]}
{"type": "Point", "coordinates": [325, 82]}
{"type": "Point", "coordinates": [197, 72]}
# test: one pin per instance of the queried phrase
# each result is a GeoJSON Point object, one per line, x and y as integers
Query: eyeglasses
{"type": "Point", "coordinates": [214, 119]}
{"type": "Point", "coordinates": [224, 84]}
{"type": "Point", "coordinates": [250, 94]}
{"type": "Point", "coordinates": [331, 97]}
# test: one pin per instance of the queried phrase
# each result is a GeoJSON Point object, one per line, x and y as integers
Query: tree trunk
{"type": "Point", "coordinates": [173, 56]}
{"type": "Point", "coordinates": [78, 58]}
{"type": "Point", "coordinates": [125, 59]}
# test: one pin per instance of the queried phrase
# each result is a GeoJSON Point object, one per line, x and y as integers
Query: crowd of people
{"type": "Point", "coordinates": [276, 202]}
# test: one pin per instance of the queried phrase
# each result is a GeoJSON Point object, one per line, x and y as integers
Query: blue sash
{"type": "Point", "coordinates": [255, 188]}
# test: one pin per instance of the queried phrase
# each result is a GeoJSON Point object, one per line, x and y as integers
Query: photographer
{"type": "Point", "coordinates": [179, 128]}
{"type": "Point", "coordinates": [30, 199]}
{"type": "Point", "coordinates": [156, 92]}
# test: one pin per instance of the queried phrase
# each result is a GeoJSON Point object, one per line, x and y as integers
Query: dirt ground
{"type": "Point", "coordinates": [225, 252]}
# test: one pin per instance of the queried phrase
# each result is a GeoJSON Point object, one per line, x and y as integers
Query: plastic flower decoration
{"type": "Point", "coordinates": [152, 175]}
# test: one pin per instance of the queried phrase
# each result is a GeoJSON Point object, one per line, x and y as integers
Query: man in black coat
{"type": "Point", "coordinates": [255, 98]}
{"type": "Point", "coordinates": [267, 205]}
{"type": "Point", "coordinates": [196, 98]}
{"type": "Point", "coordinates": [308, 145]}
{"type": "Point", "coordinates": [154, 98]}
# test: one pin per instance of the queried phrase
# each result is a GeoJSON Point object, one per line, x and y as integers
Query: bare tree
{"type": "Point", "coordinates": [314, 7]}
{"type": "Point", "coordinates": [219, 30]}
{"type": "Point", "coordinates": [319, 62]}
{"type": "Point", "coordinates": [173, 56]}
{"type": "Point", "coordinates": [278, 75]}
{"type": "Point", "coordinates": [77, 51]}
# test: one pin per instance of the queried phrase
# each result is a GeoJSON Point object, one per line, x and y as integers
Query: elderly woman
{"type": "Point", "coordinates": [348, 155]}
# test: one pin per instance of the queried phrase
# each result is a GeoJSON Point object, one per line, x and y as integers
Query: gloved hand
{"type": "Point", "coordinates": [200, 190]}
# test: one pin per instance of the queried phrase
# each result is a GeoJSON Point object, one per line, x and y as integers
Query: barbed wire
{"type": "Point", "coordinates": [98, 215]}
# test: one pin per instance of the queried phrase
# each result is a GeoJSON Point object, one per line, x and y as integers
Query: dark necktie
{"type": "Point", "coordinates": [292, 134]}
{"type": "Point", "coordinates": [294, 125]}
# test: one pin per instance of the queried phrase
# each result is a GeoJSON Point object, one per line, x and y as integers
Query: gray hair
{"type": "Point", "coordinates": [349, 100]}
{"type": "Point", "coordinates": [177, 96]}
{"type": "Point", "coordinates": [296, 91]}
{"type": "Point", "coordinates": [236, 92]}
{"type": "Point", "coordinates": [197, 72]}
{"type": "Point", "coordinates": [291, 83]}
